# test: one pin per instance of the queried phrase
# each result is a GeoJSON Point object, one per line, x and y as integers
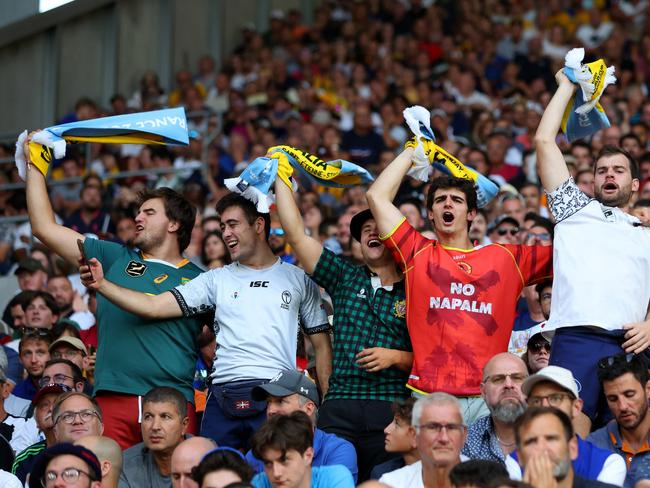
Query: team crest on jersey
{"type": "Point", "coordinates": [185, 280]}
{"type": "Point", "coordinates": [465, 267]}
{"type": "Point", "coordinates": [135, 268]}
{"type": "Point", "coordinates": [399, 309]}
{"type": "Point", "coordinates": [159, 279]}
{"type": "Point", "coordinates": [286, 299]}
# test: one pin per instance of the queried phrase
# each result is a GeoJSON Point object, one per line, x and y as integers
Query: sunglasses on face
{"type": "Point", "coordinates": [277, 232]}
{"type": "Point", "coordinates": [542, 236]}
{"type": "Point", "coordinates": [538, 346]}
{"type": "Point", "coordinates": [513, 232]}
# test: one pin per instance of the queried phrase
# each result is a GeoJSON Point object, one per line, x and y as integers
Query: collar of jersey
{"type": "Point", "coordinates": [180, 264]}
{"type": "Point", "coordinates": [279, 261]}
{"type": "Point", "coordinates": [448, 248]}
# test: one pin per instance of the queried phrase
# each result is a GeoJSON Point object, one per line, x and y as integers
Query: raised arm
{"type": "Point", "coordinates": [307, 248]}
{"type": "Point", "coordinates": [381, 194]}
{"type": "Point", "coordinates": [156, 307]}
{"type": "Point", "coordinates": [60, 239]}
{"type": "Point", "coordinates": [551, 166]}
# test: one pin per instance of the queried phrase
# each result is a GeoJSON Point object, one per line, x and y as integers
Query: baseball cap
{"type": "Point", "coordinates": [287, 383]}
{"type": "Point", "coordinates": [71, 341]}
{"type": "Point", "coordinates": [536, 332]}
{"type": "Point", "coordinates": [357, 222]}
{"type": "Point", "coordinates": [30, 265]}
{"type": "Point", "coordinates": [86, 455]}
{"type": "Point", "coordinates": [500, 220]}
{"type": "Point", "coordinates": [51, 388]}
{"type": "Point", "coordinates": [555, 374]}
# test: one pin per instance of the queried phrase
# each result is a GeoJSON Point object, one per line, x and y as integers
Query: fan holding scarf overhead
{"type": "Point", "coordinates": [134, 354]}
{"type": "Point", "coordinates": [256, 181]}
{"type": "Point", "coordinates": [427, 153]}
{"type": "Point", "coordinates": [168, 127]}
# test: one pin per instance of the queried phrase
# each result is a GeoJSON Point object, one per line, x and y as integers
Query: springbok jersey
{"type": "Point", "coordinates": [460, 305]}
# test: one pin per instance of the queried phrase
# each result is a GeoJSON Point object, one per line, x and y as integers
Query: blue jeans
{"type": "Point", "coordinates": [579, 349]}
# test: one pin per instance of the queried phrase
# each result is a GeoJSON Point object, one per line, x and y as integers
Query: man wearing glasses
{"type": "Point", "coordinates": [57, 371]}
{"type": "Point", "coordinates": [70, 348]}
{"type": "Point", "coordinates": [624, 379]}
{"type": "Point", "coordinates": [555, 387]}
{"type": "Point", "coordinates": [76, 415]}
{"type": "Point", "coordinates": [492, 437]}
{"type": "Point", "coordinates": [43, 404]}
{"type": "Point", "coordinates": [440, 435]}
{"type": "Point", "coordinates": [278, 243]}
{"type": "Point", "coordinates": [75, 351]}
{"type": "Point", "coordinates": [504, 230]}
{"type": "Point", "coordinates": [67, 465]}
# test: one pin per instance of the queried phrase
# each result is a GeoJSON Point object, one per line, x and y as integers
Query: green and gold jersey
{"type": "Point", "coordinates": [136, 354]}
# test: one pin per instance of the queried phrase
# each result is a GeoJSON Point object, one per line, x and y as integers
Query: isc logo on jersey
{"type": "Point", "coordinates": [259, 284]}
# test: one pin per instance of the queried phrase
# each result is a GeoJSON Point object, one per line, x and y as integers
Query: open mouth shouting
{"type": "Point", "coordinates": [374, 242]}
{"type": "Point", "coordinates": [448, 218]}
{"type": "Point", "coordinates": [610, 187]}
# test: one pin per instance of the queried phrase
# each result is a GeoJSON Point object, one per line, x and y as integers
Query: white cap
{"type": "Point", "coordinates": [555, 374]}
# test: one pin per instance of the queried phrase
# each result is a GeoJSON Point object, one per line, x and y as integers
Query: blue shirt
{"type": "Point", "coordinates": [321, 477]}
{"type": "Point", "coordinates": [25, 389]}
{"type": "Point", "coordinates": [14, 369]}
{"type": "Point", "coordinates": [482, 442]}
{"type": "Point", "coordinates": [638, 463]}
{"type": "Point", "coordinates": [329, 449]}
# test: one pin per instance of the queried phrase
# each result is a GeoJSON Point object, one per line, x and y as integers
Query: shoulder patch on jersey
{"type": "Point", "coordinates": [134, 268]}
{"type": "Point", "coordinates": [159, 279]}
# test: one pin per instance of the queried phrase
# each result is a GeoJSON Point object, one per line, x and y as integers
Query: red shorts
{"type": "Point", "coordinates": [121, 413]}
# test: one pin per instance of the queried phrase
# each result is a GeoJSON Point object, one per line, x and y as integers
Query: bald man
{"type": "Point", "coordinates": [187, 455]}
{"type": "Point", "coordinates": [492, 437]}
{"type": "Point", "coordinates": [110, 457]}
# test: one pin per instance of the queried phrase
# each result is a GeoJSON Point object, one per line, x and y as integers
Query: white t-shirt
{"type": "Point", "coordinates": [8, 480]}
{"type": "Point", "coordinates": [601, 263]}
{"type": "Point", "coordinates": [409, 476]}
{"type": "Point", "coordinates": [26, 434]}
{"type": "Point", "coordinates": [257, 313]}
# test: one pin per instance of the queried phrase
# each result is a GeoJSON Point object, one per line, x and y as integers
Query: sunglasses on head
{"type": "Point", "coordinates": [536, 347]}
{"type": "Point", "coordinates": [513, 232]}
{"type": "Point", "coordinates": [608, 361]}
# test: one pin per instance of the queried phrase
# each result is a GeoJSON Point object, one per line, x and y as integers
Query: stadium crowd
{"type": "Point", "coordinates": [166, 333]}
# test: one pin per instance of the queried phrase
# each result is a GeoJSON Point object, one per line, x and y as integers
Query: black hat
{"type": "Point", "coordinates": [357, 222]}
{"type": "Point", "coordinates": [87, 456]}
{"type": "Point", "coordinates": [500, 220]}
{"type": "Point", "coordinates": [287, 383]}
{"type": "Point", "coordinates": [29, 264]}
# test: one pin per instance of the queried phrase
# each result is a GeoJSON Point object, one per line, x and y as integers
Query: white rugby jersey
{"type": "Point", "coordinates": [601, 263]}
{"type": "Point", "coordinates": [257, 314]}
